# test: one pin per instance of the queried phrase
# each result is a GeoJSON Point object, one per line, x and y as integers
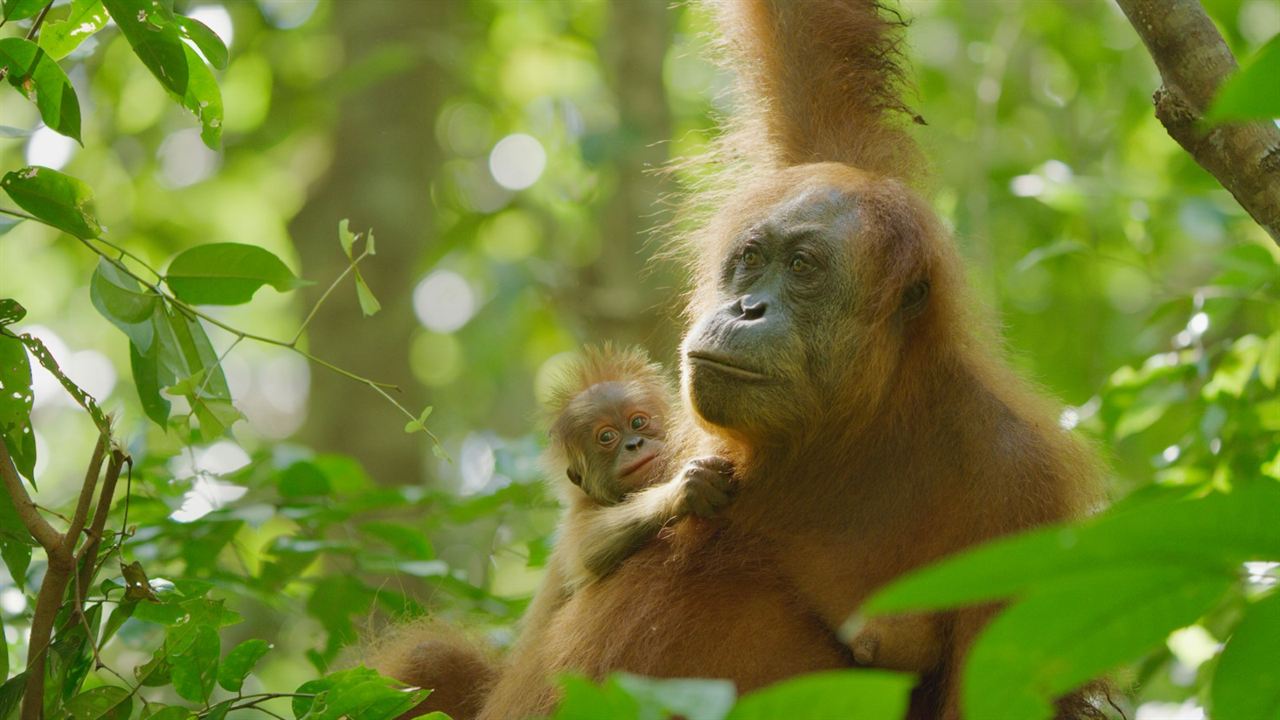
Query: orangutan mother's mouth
{"type": "Point", "coordinates": [638, 464]}
{"type": "Point", "coordinates": [721, 364]}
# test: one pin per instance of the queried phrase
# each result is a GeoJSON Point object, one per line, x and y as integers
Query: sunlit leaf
{"type": "Point", "coordinates": [862, 694]}
{"type": "Point", "coordinates": [420, 424]}
{"type": "Point", "coordinates": [54, 198]}
{"type": "Point", "coordinates": [148, 381]}
{"type": "Point", "coordinates": [37, 76]}
{"type": "Point", "coordinates": [358, 692]}
{"type": "Point", "coordinates": [1246, 683]}
{"type": "Point", "coordinates": [1269, 364]}
{"type": "Point", "coordinates": [168, 712]}
{"type": "Point", "coordinates": [369, 304]}
{"type": "Point", "coordinates": [1253, 93]}
{"type": "Point", "coordinates": [211, 46]}
{"type": "Point", "coordinates": [203, 98]}
{"type": "Point", "coordinates": [60, 37]}
{"type": "Point", "coordinates": [226, 274]}
{"type": "Point", "coordinates": [345, 237]}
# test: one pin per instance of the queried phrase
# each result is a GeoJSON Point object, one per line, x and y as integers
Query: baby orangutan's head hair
{"type": "Point", "coordinates": [608, 418]}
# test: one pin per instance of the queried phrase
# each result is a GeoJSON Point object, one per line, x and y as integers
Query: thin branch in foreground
{"type": "Point", "coordinates": [1194, 61]}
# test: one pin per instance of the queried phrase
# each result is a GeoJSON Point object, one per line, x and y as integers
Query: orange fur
{"type": "Point", "coordinates": [927, 444]}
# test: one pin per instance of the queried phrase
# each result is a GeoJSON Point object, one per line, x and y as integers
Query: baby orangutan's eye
{"type": "Point", "coordinates": [639, 421]}
{"type": "Point", "coordinates": [751, 258]}
{"type": "Point", "coordinates": [607, 436]}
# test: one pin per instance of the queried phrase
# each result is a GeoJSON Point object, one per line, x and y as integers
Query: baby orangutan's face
{"type": "Point", "coordinates": [622, 437]}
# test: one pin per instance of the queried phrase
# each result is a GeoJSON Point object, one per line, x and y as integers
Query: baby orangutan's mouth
{"type": "Point", "coordinates": [628, 470]}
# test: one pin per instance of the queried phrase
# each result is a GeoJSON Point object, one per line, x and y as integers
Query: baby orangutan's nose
{"type": "Point", "coordinates": [635, 444]}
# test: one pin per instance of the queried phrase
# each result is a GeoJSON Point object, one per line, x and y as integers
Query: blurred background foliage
{"type": "Point", "coordinates": [508, 155]}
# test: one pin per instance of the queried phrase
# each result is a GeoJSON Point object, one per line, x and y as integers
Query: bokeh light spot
{"type": "Point", "coordinates": [50, 149]}
{"type": "Point", "coordinates": [443, 301]}
{"type": "Point", "coordinates": [517, 161]}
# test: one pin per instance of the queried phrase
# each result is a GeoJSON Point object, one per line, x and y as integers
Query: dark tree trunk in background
{"type": "Point", "coordinates": [384, 156]}
{"type": "Point", "coordinates": [625, 297]}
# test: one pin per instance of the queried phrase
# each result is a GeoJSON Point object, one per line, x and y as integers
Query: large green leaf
{"type": "Point", "coordinates": [1217, 532]}
{"type": "Point", "coordinates": [152, 30]}
{"type": "Point", "coordinates": [1246, 683]}
{"type": "Point", "coordinates": [123, 302]}
{"type": "Point", "coordinates": [239, 662]}
{"type": "Point", "coordinates": [101, 703]}
{"type": "Point", "coordinates": [358, 693]}
{"type": "Point", "coordinates": [203, 98]}
{"type": "Point", "coordinates": [1253, 93]}
{"type": "Point", "coordinates": [861, 694]}
{"type": "Point", "coordinates": [194, 666]}
{"type": "Point", "coordinates": [22, 9]}
{"type": "Point", "coordinates": [149, 380]}
{"type": "Point", "coordinates": [37, 76]}
{"type": "Point", "coordinates": [54, 198]}
{"type": "Point", "coordinates": [60, 37]}
{"type": "Point", "coordinates": [226, 274]}
{"type": "Point", "coordinates": [1066, 632]}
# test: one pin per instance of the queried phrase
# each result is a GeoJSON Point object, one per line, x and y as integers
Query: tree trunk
{"type": "Point", "coordinates": [384, 157]}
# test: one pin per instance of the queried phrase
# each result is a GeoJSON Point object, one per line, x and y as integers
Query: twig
{"type": "Point", "coordinates": [39, 528]}
{"type": "Point", "coordinates": [15, 213]}
{"type": "Point", "coordinates": [35, 26]}
{"type": "Point", "coordinates": [1193, 62]}
{"type": "Point", "coordinates": [87, 558]}
{"type": "Point", "coordinates": [325, 296]}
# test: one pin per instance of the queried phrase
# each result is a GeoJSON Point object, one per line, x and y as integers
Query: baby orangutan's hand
{"type": "Point", "coordinates": [707, 486]}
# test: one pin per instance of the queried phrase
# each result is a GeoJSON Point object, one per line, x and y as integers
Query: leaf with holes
{"type": "Point", "coordinates": [60, 37]}
{"type": "Point", "coordinates": [15, 403]}
{"type": "Point", "coordinates": [54, 198]}
{"type": "Point", "coordinates": [238, 663]}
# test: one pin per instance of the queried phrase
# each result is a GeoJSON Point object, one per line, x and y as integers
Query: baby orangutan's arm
{"type": "Point", "coordinates": [596, 540]}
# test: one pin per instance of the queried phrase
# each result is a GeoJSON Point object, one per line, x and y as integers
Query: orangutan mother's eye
{"type": "Point", "coordinates": [752, 259]}
{"type": "Point", "coordinates": [801, 265]}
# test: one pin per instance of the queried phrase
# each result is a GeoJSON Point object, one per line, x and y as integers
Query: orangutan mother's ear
{"type": "Point", "coordinates": [914, 299]}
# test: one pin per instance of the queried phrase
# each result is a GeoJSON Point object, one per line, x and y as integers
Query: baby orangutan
{"type": "Point", "coordinates": [609, 445]}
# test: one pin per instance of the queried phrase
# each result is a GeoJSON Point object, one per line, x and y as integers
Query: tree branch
{"type": "Point", "coordinates": [1193, 62]}
{"type": "Point", "coordinates": [40, 529]}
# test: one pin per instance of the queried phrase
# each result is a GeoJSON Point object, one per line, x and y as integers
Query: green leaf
{"type": "Point", "coordinates": [21, 10]}
{"type": "Point", "coordinates": [239, 662]}
{"type": "Point", "coordinates": [1221, 531]}
{"type": "Point", "coordinates": [168, 712]}
{"type": "Point", "coordinates": [211, 46]}
{"type": "Point", "coordinates": [17, 558]}
{"type": "Point", "coordinates": [11, 693]}
{"type": "Point", "coordinates": [1068, 631]}
{"type": "Point", "coordinates": [692, 699]}
{"type": "Point", "coordinates": [11, 312]}
{"type": "Point", "coordinates": [54, 198]}
{"type": "Point", "coordinates": [4, 651]}
{"type": "Point", "coordinates": [195, 665]}
{"type": "Point", "coordinates": [345, 237]}
{"type": "Point", "coordinates": [37, 76]}
{"type": "Point", "coordinates": [419, 425]}
{"type": "Point", "coordinates": [227, 274]}
{"type": "Point", "coordinates": [60, 37]}
{"type": "Point", "coordinates": [16, 401]}
{"type": "Point", "coordinates": [1253, 93]}
{"type": "Point", "coordinates": [101, 703]}
{"type": "Point", "coordinates": [147, 379]}
{"type": "Point", "coordinates": [861, 694]}
{"type": "Point", "coordinates": [357, 693]}
{"type": "Point", "coordinates": [303, 479]}
{"type": "Point", "coordinates": [203, 99]}
{"type": "Point", "coordinates": [369, 304]}
{"type": "Point", "coordinates": [1268, 366]}
{"type": "Point", "coordinates": [124, 303]}
{"type": "Point", "coordinates": [1246, 683]}
{"type": "Point", "coordinates": [152, 30]}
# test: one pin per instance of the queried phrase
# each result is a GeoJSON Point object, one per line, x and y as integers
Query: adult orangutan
{"type": "Point", "coordinates": [835, 358]}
